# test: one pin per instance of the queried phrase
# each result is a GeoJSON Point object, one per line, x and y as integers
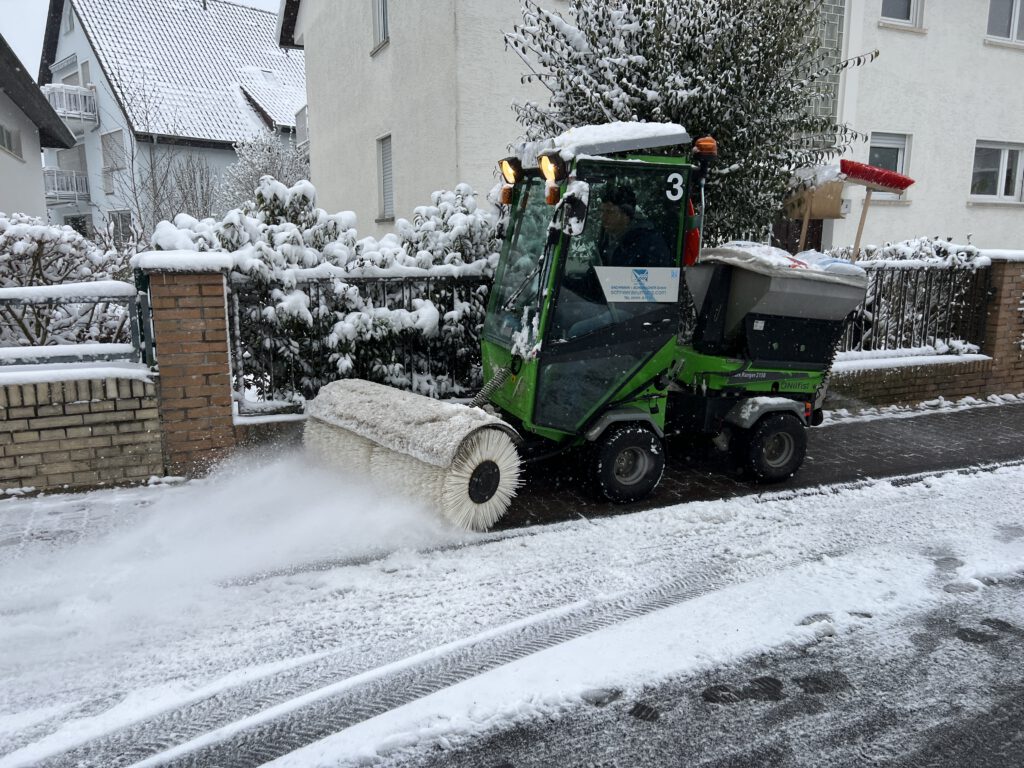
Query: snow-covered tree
{"type": "Point", "coordinates": [34, 253]}
{"type": "Point", "coordinates": [262, 155]}
{"type": "Point", "coordinates": [748, 72]}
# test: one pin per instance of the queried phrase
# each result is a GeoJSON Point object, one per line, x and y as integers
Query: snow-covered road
{"type": "Point", "coordinates": [272, 611]}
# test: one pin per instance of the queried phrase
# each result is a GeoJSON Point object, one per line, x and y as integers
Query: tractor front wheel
{"type": "Point", "coordinates": [775, 447]}
{"type": "Point", "coordinates": [628, 463]}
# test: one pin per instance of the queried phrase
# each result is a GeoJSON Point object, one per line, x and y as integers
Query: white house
{"type": "Point", "coordinates": [405, 98]}
{"type": "Point", "coordinates": [942, 104]}
{"type": "Point", "coordinates": [156, 94]}
{"type": "Point", "coordinates": [27, 122]}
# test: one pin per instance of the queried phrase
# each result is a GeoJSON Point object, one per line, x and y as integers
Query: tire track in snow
{"type": "Point", "coordinates": [262, 719]}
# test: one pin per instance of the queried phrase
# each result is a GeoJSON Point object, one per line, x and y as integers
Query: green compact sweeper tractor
{"type": "Point", "coordinates": [609, 330]}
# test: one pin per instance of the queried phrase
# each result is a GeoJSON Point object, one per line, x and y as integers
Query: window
{"type": "Point", "coordinates": [1006, 19]}
{"type": "Point", "coordinates": [10, 140]}
{"type": "Point", "coordinates": [380, 23]}
{"type": "Point", "coordinates": [80, 223]}
{"type": "Point", "coordinates": [906, 11]}
{"type": "Point", "coordinates": [119, 225]}
{"type": "Point", "coordinates": [997, 172]}
{"type": "Point", "coordinates": [69, 20]}
{"type": "Point", "coordinates": [86, 75]}
{"type": "Point", "coordinates": [387, 192]}
{"type": "Point", "coordinates": [112, 146]}
{"type": "Point", "coordinates": [889, 151]}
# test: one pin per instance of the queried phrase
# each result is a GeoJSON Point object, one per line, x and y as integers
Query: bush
{"type": "Point", "coordinates": [34, 253]}
{"type": "Point", "coordinates": [306, 318]}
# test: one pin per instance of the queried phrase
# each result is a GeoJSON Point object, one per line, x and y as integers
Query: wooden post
{"type": "Point", "coordinates": [860, 226]}
{"type": "Point", "coordinates": [807, 219]}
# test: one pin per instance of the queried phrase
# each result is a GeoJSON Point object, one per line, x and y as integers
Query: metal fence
{"type": "Point", "coordinates": [66, 317]}
{"type": "Point", "coordinates": [267, 367]}
{"type": "Point", "coordinates": [915, 306]}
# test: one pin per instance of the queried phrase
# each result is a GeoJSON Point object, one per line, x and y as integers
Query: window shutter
{"type": "Point", "coordinates": [387, 195]}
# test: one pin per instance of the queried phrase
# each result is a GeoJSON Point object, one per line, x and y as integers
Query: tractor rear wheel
{"type": "Point", "coordinates": [628, 463]}
{"type": "Point", "coordinates": [775, 447]}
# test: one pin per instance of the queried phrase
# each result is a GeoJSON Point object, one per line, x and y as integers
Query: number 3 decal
{"type": "Point", "coordinates": [675, 189]}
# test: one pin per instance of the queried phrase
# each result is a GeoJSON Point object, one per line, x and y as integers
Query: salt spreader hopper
{"type": "Point", "coordinates": [607, 332]}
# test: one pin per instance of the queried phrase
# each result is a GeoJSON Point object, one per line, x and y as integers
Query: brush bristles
{"type": "Point", "coordinates": [870, 174]}
{"type": "Point", "coordinates": [484, 445]}
{"type": "Point", "coordinates": [337, 447]}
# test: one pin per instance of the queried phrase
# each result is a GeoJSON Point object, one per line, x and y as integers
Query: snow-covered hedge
{"type": "Point", "coordinates": [34, 253]}
{"type": "Point", "coordinates": [921, 251]}
{"type": "Point", "coordinates": [307, 317]}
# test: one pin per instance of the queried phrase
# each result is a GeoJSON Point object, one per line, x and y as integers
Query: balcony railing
{"type": "Point", "coordinates": [72, 102]}
{"type": "Point", "coordinates": [65, 186]}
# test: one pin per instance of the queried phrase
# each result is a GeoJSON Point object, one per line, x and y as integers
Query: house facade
{"type": "Point", "coordinates": [941, 104]}
{"type": "Point", "coordinates": [405, 99]}
{"type": "Point", "coordinates": [27, 123]}
{"type": "Point", "coordinates": [157, 94]}
{"type": "Point", "coordinates": [402, 102]}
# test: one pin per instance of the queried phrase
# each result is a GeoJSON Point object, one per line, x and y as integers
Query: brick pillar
{"type": "Point", "coordinates": [191, 336]}
{"type": "Point", "coordinates": [1004, 330]}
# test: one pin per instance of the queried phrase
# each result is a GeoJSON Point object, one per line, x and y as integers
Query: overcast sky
{"type": "Point", "coordinates": [22, 23]}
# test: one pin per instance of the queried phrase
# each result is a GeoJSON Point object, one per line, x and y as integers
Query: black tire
{"type": "Point", "coordinates": [627, 463]}
{"type": "Point", "coordinates": [775, 447]}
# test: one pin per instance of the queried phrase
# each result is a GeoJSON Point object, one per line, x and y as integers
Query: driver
{"type": "Point", "coordinates": [625, 240]}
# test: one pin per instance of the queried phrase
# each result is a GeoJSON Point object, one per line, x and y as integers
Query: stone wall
{"type": "Point", "coordinates": [79, 434]}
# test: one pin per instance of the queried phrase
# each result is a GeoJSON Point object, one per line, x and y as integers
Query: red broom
{"type": "Point", "coordinates": [873, 178]}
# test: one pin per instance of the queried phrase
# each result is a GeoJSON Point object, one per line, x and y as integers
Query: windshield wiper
{"type": "Point", "coordinates": [522, 287]}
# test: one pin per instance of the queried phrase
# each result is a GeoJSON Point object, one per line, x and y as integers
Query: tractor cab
{"type": "Point", "coordinates": [595, 240]}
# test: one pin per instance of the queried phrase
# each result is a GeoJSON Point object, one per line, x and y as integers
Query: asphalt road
{"type": "Point", "coordinates": [941, 689]}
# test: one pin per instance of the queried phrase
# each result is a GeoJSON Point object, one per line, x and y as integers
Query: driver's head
{"type": "Point", "coordinates": [618, 206]}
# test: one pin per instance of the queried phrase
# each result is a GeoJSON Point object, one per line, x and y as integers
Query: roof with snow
{"type": "Point", "coordinates": [16, 82]}
{"type": "Point", "coordinates": [204, 70]}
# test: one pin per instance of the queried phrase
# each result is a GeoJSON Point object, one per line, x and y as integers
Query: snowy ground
{"type": "Point", "coordinates": [272, 611]}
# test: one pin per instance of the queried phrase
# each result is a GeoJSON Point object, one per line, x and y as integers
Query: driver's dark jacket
{"type": "Point", "coordinates": [640, 246]}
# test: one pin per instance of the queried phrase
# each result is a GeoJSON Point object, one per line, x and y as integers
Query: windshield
{"type": "Point", "coordinates": [623, 265]}
{"type": "Point", "coordinates": [518, 276]}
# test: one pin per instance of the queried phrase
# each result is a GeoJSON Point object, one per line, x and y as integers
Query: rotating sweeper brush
{"type": "Point", "coordinates": [461, 461]}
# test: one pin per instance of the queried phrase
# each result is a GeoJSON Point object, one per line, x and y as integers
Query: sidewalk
{"type": "Point", "coordinates": [837, 453]}
{"type": "Point", "coordinates": [841, 452]}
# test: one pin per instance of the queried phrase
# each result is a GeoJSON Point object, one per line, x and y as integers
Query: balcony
{"type": "Point", "coordinates": [75, 105]}
{"type": "Point", "coordinates": [65, 186]}
{"type": "Point", "coordinates": [302, 131]}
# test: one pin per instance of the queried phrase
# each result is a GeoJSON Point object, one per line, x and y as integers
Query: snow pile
{"type": "Point", "coordinates": [814, 176]}
{"type": "Point", "coordinates": [773, 258]}
{"type": "Point", "coordinates": [306, 317]}
{"type": "Point", "coordinates": [604, 138]}
{"type": "Point", "coordinates": [35, 255]}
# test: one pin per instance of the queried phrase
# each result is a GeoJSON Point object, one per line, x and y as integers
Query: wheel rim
{"type": "Point", "coordinates": [631, 465]}
{"type": "Point", "coordinates": [779, 449]}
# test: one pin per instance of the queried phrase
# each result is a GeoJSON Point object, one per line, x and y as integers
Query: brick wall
{"type": "Point", "coordinates": [190, 329]}
{"type": "Point", "coordinates": [1002, 375]}
{"type": "Point", "coordinates": [78, 434]}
